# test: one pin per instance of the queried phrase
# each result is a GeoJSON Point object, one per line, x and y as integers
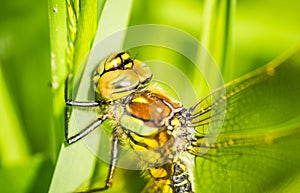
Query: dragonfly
{"type": "Point", "coordinates": [254, 148]}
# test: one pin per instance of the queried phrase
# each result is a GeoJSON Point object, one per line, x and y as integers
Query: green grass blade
{"type": "Point", "coordinates": [72, 29]}
{"type": "Point", "coordinates": [58, 45]}
{"type": "Point", "coordinates": [75, 164]}
{"type": "Point", "coordinates": [217, 31]}
{"type": "Point", "coordinates": [85, 32]}
{"type": "Point", "coordinates": [14, 147]}
{"type": "Point", "coordinates": [30, 176]}
{"type": "Point", "coordinates": [61, 54]}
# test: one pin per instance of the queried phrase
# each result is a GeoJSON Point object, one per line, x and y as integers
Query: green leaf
{"type": "Point", "coordinates": [72, 30]}
{"type": "Point", "coordinates": [75, 165]}
{"type": "Point", "coordinates": [14, 147]}
{"type": "Point", "coordinates": [218, 31]}
{"type": "Point", "coordinates": [30, 176]}
{"type": "Point", "coordinates": [58, 49]}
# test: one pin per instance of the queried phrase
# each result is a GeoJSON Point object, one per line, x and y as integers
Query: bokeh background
{"type": "Point", "coordinates": [30, 141]}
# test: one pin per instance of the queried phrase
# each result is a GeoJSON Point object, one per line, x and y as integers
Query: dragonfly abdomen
{"type": "Point", "coordinates": [172, 177]}
{"type": "Point", "coordinates": [181, 182]}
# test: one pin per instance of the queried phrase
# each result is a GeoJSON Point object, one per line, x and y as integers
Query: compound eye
{"type": "Point", "coordinates": [117, 84]}
{"type": "Point", "coordinates": [143, 71]}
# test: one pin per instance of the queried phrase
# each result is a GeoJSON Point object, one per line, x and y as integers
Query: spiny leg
{"type": "Point", "coordinates": [70, 102]}
{"type": "Point", "coordinates": [83, 132]}
{"type": "Point", "coordinates": [113, 161]}
{"type": "Point", "coordinates": [88, 104]}
{"type": "Point", "coordinates": [112, 166]}
{"type": "Point", "coordinates": [87, 130]}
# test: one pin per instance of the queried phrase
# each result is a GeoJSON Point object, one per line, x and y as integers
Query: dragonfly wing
{"type": "Point", "coordinates": [264, 98]}
{"type": "Point", "coordinates": [256, 149]}
{"type": "Point", "coordinates": [249, 163]}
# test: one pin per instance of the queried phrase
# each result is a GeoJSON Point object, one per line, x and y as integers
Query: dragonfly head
{"type": "Point", "coordinates": [120, 75]}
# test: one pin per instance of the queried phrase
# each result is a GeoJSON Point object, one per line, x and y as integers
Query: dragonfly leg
{"type": "Point", "coordinates": [70, 102]}
{"type": "Point", "coordinates": [113, 160]}
{"type": "Point", "coordinates": [112, 166]}
{"type": "Point", "coordinates": [83, 132]}
{"type": "Point", "coordinates": [89, 128]}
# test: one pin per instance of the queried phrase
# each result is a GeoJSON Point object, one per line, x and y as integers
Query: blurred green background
{"type": "Point", "coordinates": [262, 30]}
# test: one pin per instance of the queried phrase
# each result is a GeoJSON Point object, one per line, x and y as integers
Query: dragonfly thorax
{"type": "Point", "coordinates": [153, 124]}
{"type": "Point", "coordinates": [119, 76]}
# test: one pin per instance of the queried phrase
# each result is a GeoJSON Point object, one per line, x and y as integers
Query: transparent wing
{"type": "Point", "coordinates": [256, 149]}
{"type": "Point", "coordinates": [265, 97]}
